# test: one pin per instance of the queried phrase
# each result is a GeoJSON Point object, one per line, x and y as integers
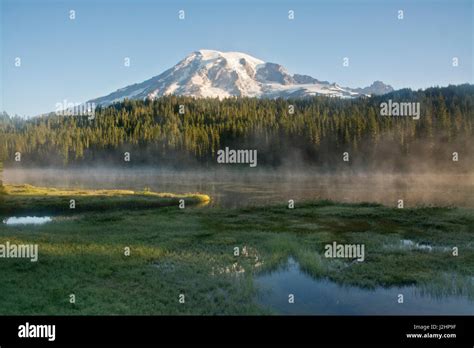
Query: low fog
{"type": "Point", "coordinates": [241, 186]}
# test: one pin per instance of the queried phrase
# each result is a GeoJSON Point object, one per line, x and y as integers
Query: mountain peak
{"type": "Point", "coordinates": [376, 88]}
{"type": "Point", "coordinates": [212, 73]}
{"type": "Point", "coordinates": [207, 54]}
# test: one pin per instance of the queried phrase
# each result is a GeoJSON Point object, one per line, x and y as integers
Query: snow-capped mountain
{"type": "Point", "coordinates": [209, 73]}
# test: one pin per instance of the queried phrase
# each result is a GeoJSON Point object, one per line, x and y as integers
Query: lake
{"type": "Point", "coordinates": [260, 187]}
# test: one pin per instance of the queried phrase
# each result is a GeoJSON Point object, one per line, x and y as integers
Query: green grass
{"type": "Point", "coordinates": [27, 199]}
{"type": "Point", "coordinates": [190, 251]}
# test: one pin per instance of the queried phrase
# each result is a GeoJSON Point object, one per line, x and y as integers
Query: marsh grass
{"type": "Point", "coordinates": [177, 251]}
{"type": "Point", "coordinates": [27, 199]}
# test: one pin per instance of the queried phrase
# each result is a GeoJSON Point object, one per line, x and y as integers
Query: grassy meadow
{"type": "Point", "coordinates": [191, 251]}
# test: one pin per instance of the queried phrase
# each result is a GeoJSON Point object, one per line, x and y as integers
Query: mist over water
{"type": "Point", "coordinates": [248, 187]}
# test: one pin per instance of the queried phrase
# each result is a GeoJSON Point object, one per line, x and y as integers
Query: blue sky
{"type": "Point", "coordinates": [81, 59]}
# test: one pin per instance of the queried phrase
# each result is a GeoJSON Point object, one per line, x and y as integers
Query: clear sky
{"type": "Point", "coordinates": [81, 59]}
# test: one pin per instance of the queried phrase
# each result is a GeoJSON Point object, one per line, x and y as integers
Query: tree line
{"type": "Point", "coordinates": [310, 131]}
{"type": "Point", "coordinates": [2, 189]}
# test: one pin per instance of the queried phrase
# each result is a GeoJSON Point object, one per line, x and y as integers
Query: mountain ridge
{"type": "Point", "coordinates": [211, 73]}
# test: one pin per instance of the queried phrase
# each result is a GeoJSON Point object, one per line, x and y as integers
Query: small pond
{"type": "Point", "coordinates": [27, 220]}
{"type": "Point", "coordinates": [325, 297]}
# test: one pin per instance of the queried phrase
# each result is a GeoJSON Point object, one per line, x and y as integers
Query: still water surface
{"type": "Point", "coordinates": [324, 297]}
{"type": "Point", "coordinates": [27, 220]}
{"type": "Point", "coordinates": [247, 188]}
